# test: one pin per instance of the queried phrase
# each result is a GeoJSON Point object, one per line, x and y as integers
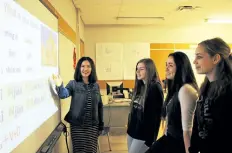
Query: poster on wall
{"type": "Point", "coordinates": [133, 52]}
{"type": "Point", "coordinates": [109, 61]}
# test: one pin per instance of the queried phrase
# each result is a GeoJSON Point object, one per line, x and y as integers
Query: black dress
{"type": "Point", "coordinates": [85, 138]}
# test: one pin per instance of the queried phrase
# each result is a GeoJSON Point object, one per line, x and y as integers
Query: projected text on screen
{"type": "Point", "coordinates": [28, 56]}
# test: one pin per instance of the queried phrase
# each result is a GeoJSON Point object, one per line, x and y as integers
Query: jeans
{"type": "Point", "coordinates": [135, 145]}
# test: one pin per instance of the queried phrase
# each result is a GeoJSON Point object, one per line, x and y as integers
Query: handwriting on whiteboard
{"type": "Point", "coordinates": [11, 136]}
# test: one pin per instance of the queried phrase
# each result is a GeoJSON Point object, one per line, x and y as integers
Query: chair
{"type": "Point", "coordinates": [106, 131]}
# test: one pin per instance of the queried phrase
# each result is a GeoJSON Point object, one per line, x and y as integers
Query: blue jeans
{"type": "Point", "coordinates": [135, 145]}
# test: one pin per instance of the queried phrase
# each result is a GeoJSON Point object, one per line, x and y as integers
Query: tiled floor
{"type": "Point", "coordinates": [118, 140]}
{"type": "Point", "coordinates": [118, 144]}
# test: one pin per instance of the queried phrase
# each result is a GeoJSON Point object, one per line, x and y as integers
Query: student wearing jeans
{"type": "Point", "coordinates": [144, 118]}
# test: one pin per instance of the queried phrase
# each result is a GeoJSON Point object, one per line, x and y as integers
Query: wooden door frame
{"type": "Point", "coordinates": [82, 48]}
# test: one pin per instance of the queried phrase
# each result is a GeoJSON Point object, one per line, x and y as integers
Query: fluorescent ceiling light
{"type": "Point", "coordinates": [129, 17]}
{"type": "Point", "coordinates": [219, 21]}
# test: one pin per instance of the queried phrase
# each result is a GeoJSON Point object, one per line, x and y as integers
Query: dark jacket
{"type": "Point", "coordinates": [144, 124]}
{"type": "Point", "coordinates": [78, 92]}
{"type": "Point", "coordinates": [212, 124]}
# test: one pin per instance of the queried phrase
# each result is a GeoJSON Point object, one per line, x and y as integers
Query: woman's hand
{"type": "Point", "coordinates": [57, 80]}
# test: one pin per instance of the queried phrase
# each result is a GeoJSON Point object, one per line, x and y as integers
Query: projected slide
{"type": "Point", "coordinates": [49, 47]}
{"type": "Point", "coordinates": [28, 56]}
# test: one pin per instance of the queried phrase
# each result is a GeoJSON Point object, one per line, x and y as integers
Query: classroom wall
{"type": "Point", "coordinates": [80, 31]}
{"type": "Point", "coordinates": [73, 17]}
{"type": "Point", "coordinates": [81, 25]}
{"type": "Point", "coordinates": [153, 34]}
{"type": "Point", "coordinates": [67, 10]}
{"type": "Point", "coordinates": [191, 34]}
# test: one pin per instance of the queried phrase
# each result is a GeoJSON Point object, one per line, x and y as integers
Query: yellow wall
{"type": "Point", "coordinates": [67, 10]}
{"type": "Point", "coordinates": [66, 72]}
{"type": "Point", "coordinates": [81, 29]}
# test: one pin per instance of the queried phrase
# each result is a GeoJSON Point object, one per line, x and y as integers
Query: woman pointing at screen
{"type": "Point", "coordinates": [86, 111]}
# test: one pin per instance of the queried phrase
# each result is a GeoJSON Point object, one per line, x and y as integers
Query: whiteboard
{"type": "Point", "coordinates": [109, 61]}
{"type": "Point", "coordinates": [133, 52]}
{"type": "Point", "coordinates": [28, 57]}
{"type": "Point", "coordinates": [191, 55]}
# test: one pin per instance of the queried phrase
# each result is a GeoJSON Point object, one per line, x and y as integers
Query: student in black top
{"type": "Point", "coordinates": [179, 106]}
{"type": "Point", "coordinates": [212, 129]}
{"type": "Point", "coordinates": [146, 106]}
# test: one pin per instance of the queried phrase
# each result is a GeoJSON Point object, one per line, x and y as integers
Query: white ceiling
{"type": "Point", "coordinates": [105, 12]}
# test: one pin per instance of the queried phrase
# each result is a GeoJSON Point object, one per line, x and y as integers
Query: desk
{"type": "Point", "coordinates": [116, 116]}
{"type": "Point", "coordinates": [117, 104]}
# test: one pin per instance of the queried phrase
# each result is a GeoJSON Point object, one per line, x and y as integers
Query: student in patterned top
{"type": "Point", "coordinates": [212, 127]}
{"type": "Point", "coordinates": [179, 106]}
{"type": "Point", "coordinates": [144, 118]}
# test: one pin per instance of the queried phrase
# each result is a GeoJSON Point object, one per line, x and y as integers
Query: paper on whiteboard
{"type": "Point", "coordinates": [109, 61]}
{"type": "Point", "coordinates": [133, 52]}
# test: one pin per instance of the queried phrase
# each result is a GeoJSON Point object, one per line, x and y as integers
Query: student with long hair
{"type": "Point", "coordinates": [86, 111]}
{"type": "Point", "coordinates": [144, 118]}
{"type": "Point", "coordinates": [179, 106]}
{"type": "Point", "coordinates": [212, 127]}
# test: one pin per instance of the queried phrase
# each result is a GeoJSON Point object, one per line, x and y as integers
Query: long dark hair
{"type": "Point", "coordinates": [93, 74]}
{"type": "Point", "coordinates": [151, 76]}
{"type": "Point", "coordinates": [224, 73]}
{"type": "Point", "coordinates": [184, 75]}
